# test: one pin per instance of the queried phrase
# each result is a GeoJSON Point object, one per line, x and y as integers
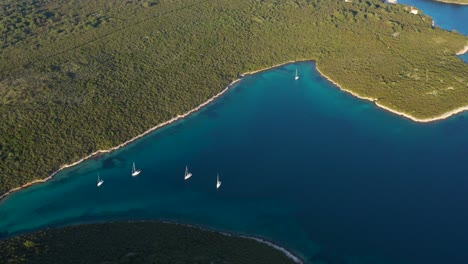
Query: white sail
{"type": "Point", "coordinates": [99, 181]}
{"type": "Point", "coordinates": [218, 182]}
{"type": "Point", "coordinates": [135, 172]}
{"type": "Point", "coordinates": [187, 174]}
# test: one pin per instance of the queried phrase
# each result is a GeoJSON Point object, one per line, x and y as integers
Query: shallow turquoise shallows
{"type": "Point", "coordinates": [327, 175]}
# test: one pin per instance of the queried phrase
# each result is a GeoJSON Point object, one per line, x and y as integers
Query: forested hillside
{"type": "Point", "coordinates": [137, 243]}
{"type": "Point", "coordinates": [78, 76]}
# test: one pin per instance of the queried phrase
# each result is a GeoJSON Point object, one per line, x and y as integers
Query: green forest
{"type": "Point", "coordinates": [78, 76]}
{"type": "Point", "coordinates": [136, 243]}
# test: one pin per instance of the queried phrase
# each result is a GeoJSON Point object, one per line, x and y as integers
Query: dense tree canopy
{"type": "Point", "coordinates": [78, 76]}
{"type": "Point", "coordinates": [137, 243]}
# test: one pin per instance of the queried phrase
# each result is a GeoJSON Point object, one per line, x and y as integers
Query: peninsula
{"type": "Point", "coordinates": [75, 79]}
{"type": "Point", "coordinates": [139, 242]}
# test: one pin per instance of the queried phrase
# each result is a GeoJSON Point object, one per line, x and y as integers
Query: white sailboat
{"type": "Point", "coordinates": [135, 172]}
{"type": "Point", "coordinates": [99, 181]}
{"type": "Point", "coordinates": [187, 174]}
{"type": "Point", "coordinates": [297, 76]}
{"type": "Point", "coordinates": [218, 182]}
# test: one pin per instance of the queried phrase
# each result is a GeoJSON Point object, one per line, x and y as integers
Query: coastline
{"type": "Point", "coordinates": [283, 250]}
{"type": "Point", "coordinates": [389, 109]}
{"type": "Point", "coordinates": [270, 244]}
{"type": "Point", "coordinates": [450, 2]}
{"type": "Point", "coordinates": [288, 253]}
{"type": "Point", "coordinates": [199, 107]}
{"type": "Point", "coordinates": [100, 152]}
{"type": "Point", "coordinates": [152, 129]}
{"type": "Point", "coordinates": [462, 51]}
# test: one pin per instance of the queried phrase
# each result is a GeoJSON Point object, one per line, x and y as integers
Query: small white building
{"type": "Point", "coordinates": [414, 11]}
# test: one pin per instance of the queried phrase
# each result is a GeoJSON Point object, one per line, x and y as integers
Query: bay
{"type": "Point", "coordinates": [329, 176]}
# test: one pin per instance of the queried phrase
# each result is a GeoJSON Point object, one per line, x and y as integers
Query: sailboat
{"type": "Point", "coordinates": [99, 181]}
{"type": "Point", "coordinates": [297, 76]}
{"type": "Point", "coordinates": [218, 182]}
{"type": "Point", "coordinates": [187, 174]}
{"type": "Point", "coordinates": [135, 172]}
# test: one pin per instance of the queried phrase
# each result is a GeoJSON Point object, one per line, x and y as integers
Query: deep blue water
{"type": "Point", "coordinates": [327, 175]}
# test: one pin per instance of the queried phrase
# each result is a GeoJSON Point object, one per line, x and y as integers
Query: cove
{"type": "Point", "coordinates": [331, 177]}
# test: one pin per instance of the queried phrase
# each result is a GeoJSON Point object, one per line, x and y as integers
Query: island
{"type": "Point", "coordinates": [139, 242]}
{"type": "Point", "coordinates": [88, 77]}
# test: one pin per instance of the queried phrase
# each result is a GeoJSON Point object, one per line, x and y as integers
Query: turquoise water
{"type": "Point", "coordinates": [329, 176]}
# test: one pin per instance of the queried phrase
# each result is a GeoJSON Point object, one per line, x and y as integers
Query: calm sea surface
{"type": "Point", "coordinates": [329, 176]}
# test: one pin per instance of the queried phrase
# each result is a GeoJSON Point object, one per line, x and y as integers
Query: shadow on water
{"type": "Point", "coordinates": [111, 163]}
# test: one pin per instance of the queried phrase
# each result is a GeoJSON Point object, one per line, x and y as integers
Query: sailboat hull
{"type": "Point", "coordinates": [136, 173]}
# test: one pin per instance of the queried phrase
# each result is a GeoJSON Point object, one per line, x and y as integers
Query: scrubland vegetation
{"type": "Point", "coordinates": [78, 76]}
